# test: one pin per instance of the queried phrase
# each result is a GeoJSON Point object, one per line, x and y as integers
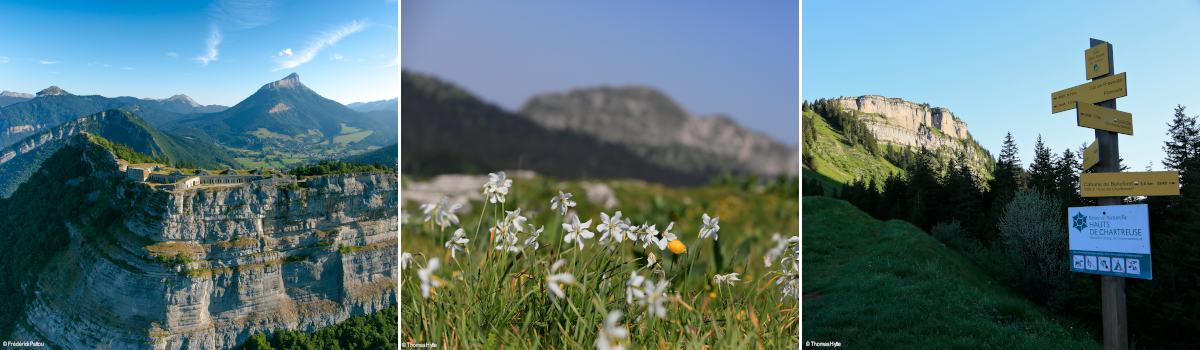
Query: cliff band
{"type": "Point", "coordinates": [206, 267]}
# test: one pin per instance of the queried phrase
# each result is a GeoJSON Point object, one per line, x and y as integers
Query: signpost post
{"type": "Point", "coordinates": [1112, 288]}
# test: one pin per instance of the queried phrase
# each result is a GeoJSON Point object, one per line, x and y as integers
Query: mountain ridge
{"type": "Point", "coordinates": [652, 124]}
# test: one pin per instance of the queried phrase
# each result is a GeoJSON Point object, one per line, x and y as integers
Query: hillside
{"type": "Point", "coordinates": [888, 285]}
{"type": "Point", "coordinates": [392, 104]}
{"type": "Point", "coordinates": [650, 124]}
{"type": "Point", "coordinates": [387, 156]}
{"type": "Point", "coordinates": [18, 161]}
{"type": "Point", "coordinates": [836, 159]}
{"type": "Point", "coordinates": [54, 106]}
{"type": "Point", "coordinates": [448, 130]}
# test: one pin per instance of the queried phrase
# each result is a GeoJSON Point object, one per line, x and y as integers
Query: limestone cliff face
{"type": "Point", "coordinates": [259, 256]}
{"type": "Point", "coordinates": [916, 125]}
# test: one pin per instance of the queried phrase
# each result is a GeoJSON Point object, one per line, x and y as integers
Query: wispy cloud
{"type": "Point", "coordinates": [234, 15]}
{"type": "Point", "coordinates": [106, 65]}
{"type": "Point", "coordinates": [336, 56]}
{"type": "Point", "coordinates": [242, 14]}
{"type": "Point", "coordinates": [287, 52]}
{"type": "Point", "coordinates": [47, 62]}
{"type": "Point", "coordinates": [3, 59]}
{"type": "Point", "coordinates": [393, 62]}
{"type": "Point", "coordinates": [172, 54]}
{"type": "Point", "coordinates": [319, 43]}
{"type": "Point", "coordinates": [214, 39]}
{"type": "Point", "coordinates": [127, 68]}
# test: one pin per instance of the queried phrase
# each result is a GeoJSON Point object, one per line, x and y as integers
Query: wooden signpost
{"type": "Point", "coordinates": [1091, 155]}
{"type": "Point", "coordinates": [1096, 107]}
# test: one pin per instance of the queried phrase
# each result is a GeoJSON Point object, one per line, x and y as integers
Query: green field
{"type": "Point", "coordinates": [870, 284]}
{"type": "Point", "coordinates": [473, 311]}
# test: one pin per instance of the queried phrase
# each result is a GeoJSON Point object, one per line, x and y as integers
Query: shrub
{"type": "Point", "coordinates": [1035, 233]}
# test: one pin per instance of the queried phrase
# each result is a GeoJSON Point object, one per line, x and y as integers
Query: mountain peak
{"type": "Point", "coordinates": [289, 81]}
{"type": "Point", "coordinates": [7, 93]}
{"type": "Point", "coordinates": [184, 98]}
{"type": "Point", "coordinates": [52, 90]}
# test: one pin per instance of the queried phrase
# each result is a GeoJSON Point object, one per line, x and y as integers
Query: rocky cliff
{"type": "Point", "coordinates": [900, 122]}
{"type": "Point", "coordinates": [652, 125]}
{"type": "Point", "coordinates": [207, 267]}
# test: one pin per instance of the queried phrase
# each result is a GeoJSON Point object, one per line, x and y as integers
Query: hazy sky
{"type": "Point", "coordinates": [994, 64]}
{"type": "Point", "coordinates": [217, 52]}
{"type": "Point", "coordinates": [735, 58]}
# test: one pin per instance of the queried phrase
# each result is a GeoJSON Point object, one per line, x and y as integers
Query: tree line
{"type": "Point", "coordinates": [1014, 228]}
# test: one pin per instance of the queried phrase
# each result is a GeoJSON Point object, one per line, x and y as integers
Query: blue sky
{"type": "Point", "coordinates": [217, 52]}
{"type": "Point", "coordinates": [994, 64]}
{"type": "Point", "coordinates": [735, 58]}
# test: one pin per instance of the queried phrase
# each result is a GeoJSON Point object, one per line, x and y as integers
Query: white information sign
{"type": "Point", "coordinates": [1110, 240]}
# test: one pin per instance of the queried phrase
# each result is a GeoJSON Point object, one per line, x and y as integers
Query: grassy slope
{"type": "Point", "coordinates": [873, 285]}
{"type": "Point", "coordinates": [842, 163]}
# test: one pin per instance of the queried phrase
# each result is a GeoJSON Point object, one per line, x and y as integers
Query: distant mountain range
{"type": "Point", "coordinates": [282, 113]}
{"type": "Point", "coordinates": [9, 97]}
{"type": "Point", "coordinates": [448, 130]}
{"type": "Point", "coordinates": [179, 104]}
{"type": "Point", "coordinates": [20, 160]}
{"type": "Point", "coordinates": [54, 106]}
{"type": "Point", "coordinates": [392, 104]}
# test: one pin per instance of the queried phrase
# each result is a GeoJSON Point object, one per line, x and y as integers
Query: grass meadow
{"type": "Point", "coordinates": [870, 284]}
{"type": "Point", "coordinates": [628, 294]}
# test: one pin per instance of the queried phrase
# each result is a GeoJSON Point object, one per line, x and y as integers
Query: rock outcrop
{"type": "Point", "coordinates": [652, 125]}
{"type": "Point", "coordinates": [916, 125]}
{"type": "Point", "coordinates": [7, 93]}
{"type": "Point", "coordinates": [292, 80]}
{"type": "Point", "coordinates": [255, 257]}
{"type": "Point", "coordinates": [51, 91]}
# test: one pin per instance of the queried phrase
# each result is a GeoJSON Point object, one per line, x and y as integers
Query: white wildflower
{"type": "Point", "coordinates": [776, 251]}
{"type": "Point", "coordinates": [553, 281]}
{"type": "Point", "coordinates": [533, 239]}
{"type": "Point", "coordinates": [612, 337]}
{"type": "Point", "coordinates": [633, 287]}
{"type": "Point", "coordinates": [563, 199]}
{"type": "Point", "coordinates": [667, 237]}
{"type": "Point", "coordinates": [442, 213]}
{"type": "Point", "coordinates": [710, 227]}
{"type": "Point", "coordinates": [655, 298]}
{"type": "Point", "coordinates": [631, 230]}
{"type": "Point", "coordinates": [650, 260]}
{"type": "Point", "coordinates": [427, 278]}
{"type": "Point", "coordinates": [578, 231]}
{"type": "Point", "coordinates": [405, 260]}
{"type": "Point", "coordinates": [455, 244]}
{"type": "Point", "coordinates": [728, 279]}
{"type": "Point", "coordinates": [648, 235]}
{"type": "Point", "coordinates": [611, 228]}
{"type": "Point", "coordinates": [404, 217]}
{"type": "Point", "coordinates": [496, 187]}
{"type": "Point", "coordinates": [509, 226]}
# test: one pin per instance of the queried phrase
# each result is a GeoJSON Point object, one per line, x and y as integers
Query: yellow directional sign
{"type": "Point", "coordinates": [1098, 61]}
{"type": "Point", "coordinates": [1097, 91]}
{"type": "Point", "coordinates": [1154, 183]}
{"type": "Point", "coordinates": [1091, 155]}
{"type": "Point", "coordinates": [1096, 117]}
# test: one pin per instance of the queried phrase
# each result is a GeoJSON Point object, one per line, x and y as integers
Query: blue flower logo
{"type": "Point", "coordinates": [1079, 221]}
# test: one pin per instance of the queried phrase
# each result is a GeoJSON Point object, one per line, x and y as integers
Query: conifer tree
{"type": "Point", "coordinates": [1042, 176]}
{"type": "Point", "coordinates": [1182, 145]}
